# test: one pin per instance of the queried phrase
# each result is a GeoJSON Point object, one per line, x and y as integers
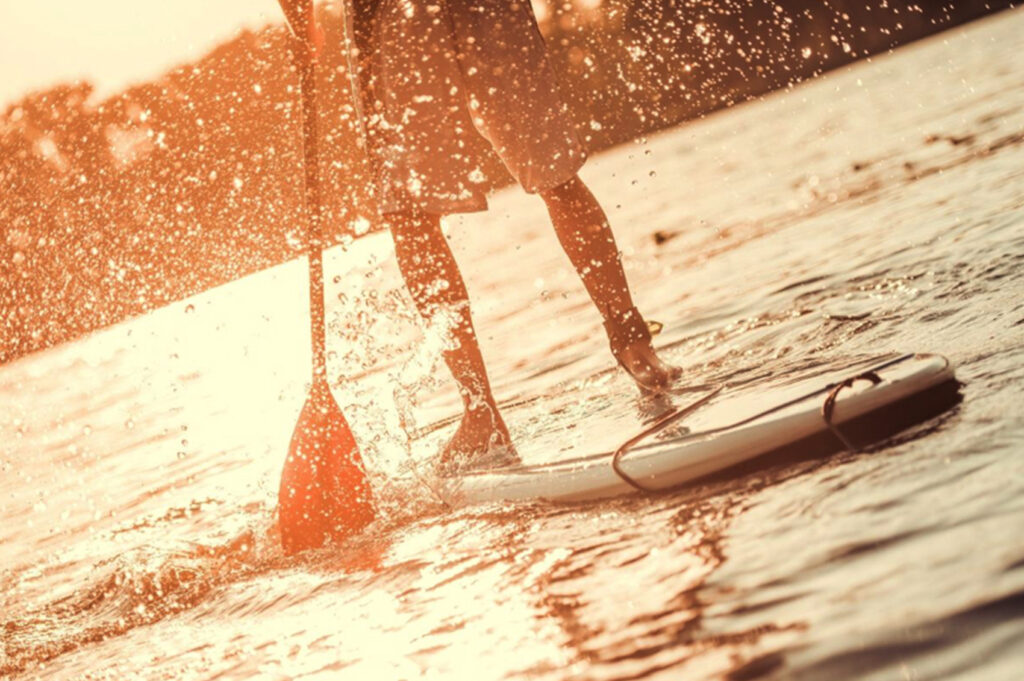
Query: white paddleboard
{"type": "Point", "coordinates": [726, 430]}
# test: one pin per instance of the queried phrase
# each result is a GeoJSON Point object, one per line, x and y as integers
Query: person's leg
{"type": "Point", "coordinates": [434, 281]}
{"type": "Point", "coordinates": [587, 239]}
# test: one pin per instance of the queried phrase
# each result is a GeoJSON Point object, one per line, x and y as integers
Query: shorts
{"type": "Point", "coordinates": [443, 69]}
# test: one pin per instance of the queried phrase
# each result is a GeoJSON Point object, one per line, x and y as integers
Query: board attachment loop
{"type": "Point", "coordinates": [827, 410]}
{"type": "Point", "coordinates": [829, 405]}
{"type": "Point", "coordinates": [659, 425]}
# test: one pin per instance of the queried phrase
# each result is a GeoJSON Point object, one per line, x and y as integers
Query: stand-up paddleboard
{"type": "Point", "coordinates": [723, 431]}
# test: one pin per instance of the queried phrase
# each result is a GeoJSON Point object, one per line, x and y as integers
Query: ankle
{"type": "Point", "coordinates": [625, 329]}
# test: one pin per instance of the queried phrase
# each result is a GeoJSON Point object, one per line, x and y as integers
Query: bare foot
{"type": "Point", "coordinates": [482, 441]}
{"type": "Point", "coordinates": [642, 363]}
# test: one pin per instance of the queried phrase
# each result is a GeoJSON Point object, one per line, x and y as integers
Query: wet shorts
{"type": "Point", "coordinates": [444, 68]}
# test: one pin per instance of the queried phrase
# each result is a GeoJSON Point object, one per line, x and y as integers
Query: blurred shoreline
{"type": "Point", "coordinates": [113, 209]}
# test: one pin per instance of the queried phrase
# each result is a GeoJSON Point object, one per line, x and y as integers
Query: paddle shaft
{"type": "Point", "coordinates": [306, 65]}
{"type": "Point", "coordinates": [324, 493]}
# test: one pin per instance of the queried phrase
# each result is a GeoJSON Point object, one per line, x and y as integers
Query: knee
{"type": "Point", "coordinates": [404, 223]}
{"type": "Point", "coordinates": [563, 191]}
{"type": "Point", "coordinates": [411, 228]}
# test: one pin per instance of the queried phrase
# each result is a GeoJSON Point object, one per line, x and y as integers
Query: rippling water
{"type": "Point", "coordinates": [878, 209]}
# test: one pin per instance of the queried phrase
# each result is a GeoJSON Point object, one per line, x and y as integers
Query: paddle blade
{"type": "Point", "coordinates": [324, 492]}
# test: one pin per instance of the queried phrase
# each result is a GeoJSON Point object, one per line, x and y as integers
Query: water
{"type": "Point", "coordinates": [877, 209]}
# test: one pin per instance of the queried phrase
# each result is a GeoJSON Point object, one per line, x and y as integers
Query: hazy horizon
{"type": "Point", "coordinates": [112, 43]}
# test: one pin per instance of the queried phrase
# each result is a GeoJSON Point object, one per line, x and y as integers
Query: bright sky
{"type": "Point", "coordinates": [112, 42]}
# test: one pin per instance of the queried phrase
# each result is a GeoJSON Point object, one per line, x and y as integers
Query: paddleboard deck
{"type": "Point", "coordinates": [728, 433]}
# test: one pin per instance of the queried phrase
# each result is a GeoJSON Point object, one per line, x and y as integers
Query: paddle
{"type": "Point", "coordinates": [324, 492]}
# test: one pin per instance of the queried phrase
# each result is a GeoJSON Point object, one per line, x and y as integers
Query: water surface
{"type": "Point", "coordinates": [875, 210]}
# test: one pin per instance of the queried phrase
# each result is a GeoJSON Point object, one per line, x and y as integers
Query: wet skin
{"type": "Point", "coordinates": [425, 260]}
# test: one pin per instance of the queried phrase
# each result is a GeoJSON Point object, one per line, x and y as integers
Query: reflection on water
{"type": "Point", "coordinates": [875, 210]}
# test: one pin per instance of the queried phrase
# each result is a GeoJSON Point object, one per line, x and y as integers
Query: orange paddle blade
{"type": "Point", "coordinates": [324, 492]}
